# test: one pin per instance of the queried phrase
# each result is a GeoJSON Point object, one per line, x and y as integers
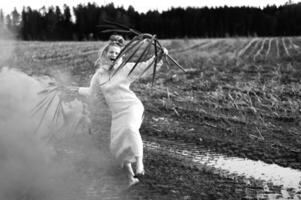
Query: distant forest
{"type": "Point", "coordinates": [80, 22]}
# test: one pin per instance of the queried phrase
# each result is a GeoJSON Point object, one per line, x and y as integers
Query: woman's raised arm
{"type": "Point", "coordinates": [87, 91]}
{"type": "Point", "coordinates": [145, 68]}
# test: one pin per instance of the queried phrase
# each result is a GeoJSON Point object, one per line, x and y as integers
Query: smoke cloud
{"type": "Point", "coordinates": [32, 167]}
{"type": "Point", "coordinates": [42, 161]}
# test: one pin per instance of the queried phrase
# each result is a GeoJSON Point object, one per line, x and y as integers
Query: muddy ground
{"type": "Point", "coordinates": [197, 108]}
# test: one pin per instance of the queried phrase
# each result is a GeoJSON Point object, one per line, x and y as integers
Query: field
{"type": "Point", "coordinates": [240, 97]}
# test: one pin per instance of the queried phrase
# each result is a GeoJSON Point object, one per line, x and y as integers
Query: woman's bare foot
{"type": "Point", "coordinates": [139, 168]}
{"type": "Point", "coordinates": [133, 181]}
{"type": "Point", "coordinates": [130, 174]}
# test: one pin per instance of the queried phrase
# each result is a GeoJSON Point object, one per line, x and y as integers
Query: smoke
{"type": "Point", "coordinates": [7, 43]}
{"type": "Point", "coordinates": [32, 167]}
{"type": "Point", "coordinates": [49, 163]}
{"type": "Point", "coordinates": [6, 53]}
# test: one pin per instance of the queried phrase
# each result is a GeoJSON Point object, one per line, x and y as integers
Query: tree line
{"type": "Point", "coordinates": [81, 22]}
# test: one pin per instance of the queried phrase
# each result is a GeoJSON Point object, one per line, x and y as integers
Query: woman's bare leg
{"type": "Point", "coordinates": [139, 165]}
{"type": "Point", "coordinates": [130, 174]}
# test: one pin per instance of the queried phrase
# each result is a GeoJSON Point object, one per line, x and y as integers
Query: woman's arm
{"type": "Point", "coordinates": [87, 91]}
{"type": "Point", "coordinates": [145, 68]}
{"type": "Point", "coordinates": [142, 69]}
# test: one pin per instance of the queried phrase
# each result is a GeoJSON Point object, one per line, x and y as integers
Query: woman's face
{"type": "Point", "coordinates": [112, 53]}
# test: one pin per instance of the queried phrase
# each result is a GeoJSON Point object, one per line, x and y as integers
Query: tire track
{"type": "Point", "coordinates": [232, 167]}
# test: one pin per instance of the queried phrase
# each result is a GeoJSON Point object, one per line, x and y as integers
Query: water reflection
{"type": "Point", "coordinates": [277, 175]}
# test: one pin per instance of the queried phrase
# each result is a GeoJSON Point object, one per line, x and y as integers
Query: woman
{"type": "Point", "coordinates": [127, 110]}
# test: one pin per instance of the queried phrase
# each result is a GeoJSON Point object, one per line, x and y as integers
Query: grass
{"type": "Point", "coordinates": [236, 98]}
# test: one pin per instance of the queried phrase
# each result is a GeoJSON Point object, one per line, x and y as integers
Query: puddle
{"type": "Point", "coordinates": [287, 177]}
{"type": "Point", "coordinates": [271, 173]}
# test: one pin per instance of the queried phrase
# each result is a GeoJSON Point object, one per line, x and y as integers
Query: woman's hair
{"type": "Point", "coordinates": [114, 40]}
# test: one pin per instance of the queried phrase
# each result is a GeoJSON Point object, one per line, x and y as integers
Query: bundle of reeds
{"type": "Point", "coordinates": [140, 46]}
{"type": "Point", "coordinates": [54, 94]}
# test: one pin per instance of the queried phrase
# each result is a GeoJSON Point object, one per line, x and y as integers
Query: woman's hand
{"type": "Point", "coordinates": [69, 93]}
{"type": "Point", "coordinates": [165, 51]}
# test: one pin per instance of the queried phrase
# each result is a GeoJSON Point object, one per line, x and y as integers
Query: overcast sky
{"type": "Point", "coordinates": [140, 5]}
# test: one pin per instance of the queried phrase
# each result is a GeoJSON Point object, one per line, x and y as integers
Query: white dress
{"type": "Point", "coordinates": [126, 109]}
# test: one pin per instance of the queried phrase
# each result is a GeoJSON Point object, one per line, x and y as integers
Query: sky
{"type": "Point", "coordinates": [140, 5]}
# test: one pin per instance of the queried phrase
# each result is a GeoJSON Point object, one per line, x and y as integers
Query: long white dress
{"type": "Point", "coordinates": [126, 109]}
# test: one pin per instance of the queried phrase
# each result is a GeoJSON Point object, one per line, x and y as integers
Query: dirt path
{"type": "Point", "coordinates": [171, 173]}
